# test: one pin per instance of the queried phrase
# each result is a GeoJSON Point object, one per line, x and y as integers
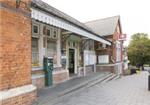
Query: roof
{"type": "Point", "coordinates": [104, 27]}
{"type": "Point", "coordinates": [49, 9]}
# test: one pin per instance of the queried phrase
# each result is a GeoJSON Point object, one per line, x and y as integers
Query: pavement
{"type": "Point", "coordinates": [147, 68]}
{"type": "Point", "coordinates": [52, 94]}
{"type": "Point", "coordinates": [127, 90]}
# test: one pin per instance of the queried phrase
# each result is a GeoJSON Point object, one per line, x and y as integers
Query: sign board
{"type": "Point", "coordinates": [89, 57]}
{"type": "Point", "coordinates": [102, 59]}
{"type": "Point", "coordinates": [63, 60]}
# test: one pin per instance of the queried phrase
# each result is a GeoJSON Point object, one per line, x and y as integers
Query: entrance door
{"type": "Point", "coordinates": [71, 60]}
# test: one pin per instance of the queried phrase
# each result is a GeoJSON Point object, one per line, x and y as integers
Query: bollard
{"type": "Point", "coordinates": [149, 82]}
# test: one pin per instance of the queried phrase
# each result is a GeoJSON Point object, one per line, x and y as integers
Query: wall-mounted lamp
{"type": "Point", "coordinates": [19, 2]}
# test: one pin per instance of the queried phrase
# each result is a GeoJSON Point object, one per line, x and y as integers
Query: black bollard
{"type": "Point", "coordinates": [149, 82]}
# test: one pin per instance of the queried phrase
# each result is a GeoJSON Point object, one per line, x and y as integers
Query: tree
{"type": "Point", "coordinates": [139, 49]}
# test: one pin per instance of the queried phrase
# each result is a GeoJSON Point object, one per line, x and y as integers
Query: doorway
{"type": "Point", "coordinates": [71, 61]}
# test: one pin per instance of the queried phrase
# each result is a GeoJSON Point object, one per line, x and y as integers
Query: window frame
{"type": "Point", "coordinates": [38, 27]}
{"type": "Point", "coordinates": [51, 30]}
{"type": "Point", "coordinates": [55, 30]}
{"type": "Point", "coordinates": [54, 48]}
{"type": "Point", "coordinates": [33, 52]}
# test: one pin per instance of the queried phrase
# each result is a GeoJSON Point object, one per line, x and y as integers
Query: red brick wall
{"type": "Point", "coordinates": [105, 68]}
{"type": "Point", "coordinates": [89, 69]}
{"type": "Point", "coordinates": [15, 44]}
{"type": "Point", "coordinates": [39, 82]}
{"type": "Point", "coordinates": [60, 77]}
{"type": "Point", "coordinates": [12, 3]}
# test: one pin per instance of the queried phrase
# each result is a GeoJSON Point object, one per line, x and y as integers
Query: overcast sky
{"type": "Point", "coordinates": [135, 14]}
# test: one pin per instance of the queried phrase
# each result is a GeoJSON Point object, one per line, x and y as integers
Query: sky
{"type": "Point", "coordinates": [135, 14]}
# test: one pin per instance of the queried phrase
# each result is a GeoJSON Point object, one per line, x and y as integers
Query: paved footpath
{"type": "Point", "coordinates": [128, 90]}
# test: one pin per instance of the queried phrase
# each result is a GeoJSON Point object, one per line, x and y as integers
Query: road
{"type": "Point", "coordinates": [128, 90]}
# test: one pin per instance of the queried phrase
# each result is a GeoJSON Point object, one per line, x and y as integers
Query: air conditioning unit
{"type": "Point", "coordinates": [103, 45]}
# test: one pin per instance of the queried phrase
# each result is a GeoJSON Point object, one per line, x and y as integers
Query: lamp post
{"type": "Point", "coordinates": [149, 80]}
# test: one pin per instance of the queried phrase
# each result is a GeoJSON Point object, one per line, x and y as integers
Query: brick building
{"type": "Point", "coordinates": [33, 30]}
{"type": "Point", "coordinates": [109, 58]}
{"type": "Point", "coordinates": [69, 42]}
{"type": "Point", "coordinates": [15, 54]}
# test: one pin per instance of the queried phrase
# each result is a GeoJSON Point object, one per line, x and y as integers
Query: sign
{"type": "Point", "coordinates": [63, 61]}
{"type": "Point", "coordinates": [89, 57]}
{"type": "Point", "coordinates": [103, 59]}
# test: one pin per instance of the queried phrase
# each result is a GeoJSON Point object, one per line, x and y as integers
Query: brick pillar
{"type": "Point", "coordinates": [15, 54]}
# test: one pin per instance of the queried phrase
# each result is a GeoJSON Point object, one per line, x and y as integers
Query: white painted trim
{"type": "Point", "coordinates": [38, 76]}
{"type": "Point", "coordinates": [54, 72]}
{"type": "Point", "coordinates": [76, 59]}
{"type": "Point", "coordinates": [57, 66]}
{"type": "Point", "coordinates": [118, 63]}
{"type": "Point", "coordinates": [37, 68]}
{"type": "Point", "coordinates": [55, 21]}
{"type": "Point", "coordinates": [60, 71]}
{"type": "Point", "coordinates": [41, 68]}
{"type": "Point", "coordinates": [16, 91]}
{"type": "Point", "coordinates": [110, 64]}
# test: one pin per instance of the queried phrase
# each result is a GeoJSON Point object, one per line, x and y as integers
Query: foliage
{"type": "Point", "coordinates": [139, 49]}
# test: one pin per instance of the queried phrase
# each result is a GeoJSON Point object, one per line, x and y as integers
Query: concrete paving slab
{"type": "Point", "coordinates": [50, 93]}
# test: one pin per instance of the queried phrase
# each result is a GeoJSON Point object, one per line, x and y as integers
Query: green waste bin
{"type": "Point", "coordinates": [48, 68]}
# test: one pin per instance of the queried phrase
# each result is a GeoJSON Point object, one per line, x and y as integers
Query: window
{"type": "Point", "coordinates": [51, 50]}
{"type": "Point", "coordinates": [104, 45]}
{"type": "Point", "coordinates": [35, 29]}
{"type": "Point", "coordinates": [69, 43]}
{"type": "Point", "coordinates": [55, 33]}
{"type": "Point", "coordinates": [44, 30]}
{"type": "Point", "coordinates": [91, 45]}
{"type": "Point", "coordinates": [48, 33]}
{"type": "Point", "coordinates": [72, 44]}
{"type": "Point", "coordinates": [35, 52]}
